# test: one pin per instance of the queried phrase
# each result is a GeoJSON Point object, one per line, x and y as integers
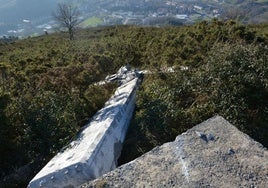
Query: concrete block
{"type": "Point", "coordinates": [98, 146]}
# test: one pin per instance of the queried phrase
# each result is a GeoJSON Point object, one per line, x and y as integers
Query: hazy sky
{"type": "Point", "coordinates": [16, 10]}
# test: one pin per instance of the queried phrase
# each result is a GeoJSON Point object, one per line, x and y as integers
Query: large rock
{"type": "Point", "coordinates": [212, 154]}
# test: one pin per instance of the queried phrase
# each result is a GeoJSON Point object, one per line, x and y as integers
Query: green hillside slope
{"type": "Point", "coordinates": [47, 91]}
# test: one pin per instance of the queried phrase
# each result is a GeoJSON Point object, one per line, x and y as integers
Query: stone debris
{"type": "Point", "coordinates": [123, 75]}
{"type": "Point", "coordinates": [211, 154]}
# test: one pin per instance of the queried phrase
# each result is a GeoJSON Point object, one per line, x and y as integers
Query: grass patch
{"type": "Point", "coordinates": [92, 21]}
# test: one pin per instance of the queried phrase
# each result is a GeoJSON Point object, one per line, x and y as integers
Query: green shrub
{"type": "Point", "coordinates": [232, 82]}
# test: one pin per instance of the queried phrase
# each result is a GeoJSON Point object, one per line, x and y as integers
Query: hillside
{"type": "Point", "coordinates": [47, 89]}
{"type": "Point", "coordinates": [24, 18]}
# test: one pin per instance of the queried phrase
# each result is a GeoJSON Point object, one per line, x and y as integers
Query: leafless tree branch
{"type": "Point", "coordinates": [67, 16]}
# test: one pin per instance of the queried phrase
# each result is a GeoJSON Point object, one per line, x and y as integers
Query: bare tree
{"type": "Point", "coordinates": [67, 17]}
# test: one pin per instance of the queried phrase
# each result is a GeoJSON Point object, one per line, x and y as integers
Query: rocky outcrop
{"type": "Point", "coordinates": [211, 154]}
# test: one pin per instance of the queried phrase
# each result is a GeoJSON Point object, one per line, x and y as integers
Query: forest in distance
{"type": "Point", "coordinates": [47, 90]}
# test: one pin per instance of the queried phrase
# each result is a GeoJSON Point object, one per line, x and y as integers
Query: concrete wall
{"type": "Point", "coordinates": [98, 146]}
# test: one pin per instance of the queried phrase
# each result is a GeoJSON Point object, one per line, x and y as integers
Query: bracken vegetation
{"type": "Point", "coordinates": [47, 89]}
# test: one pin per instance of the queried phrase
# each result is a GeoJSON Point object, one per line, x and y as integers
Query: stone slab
{"type": "Point", "coordinates": [211, 154]}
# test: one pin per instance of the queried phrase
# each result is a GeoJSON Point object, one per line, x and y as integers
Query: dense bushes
{"type": "Point", "coordinates": [231, 80]}
{"type": "Point", "coordinates": [238, 86]}
{"type": "Point", "coordinates": [47, 91]}
{"type": "Point", "coordinates": [44, 100]}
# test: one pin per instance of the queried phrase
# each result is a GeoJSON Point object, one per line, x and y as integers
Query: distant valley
{"type": "Point", "coordinates": [30, 17]}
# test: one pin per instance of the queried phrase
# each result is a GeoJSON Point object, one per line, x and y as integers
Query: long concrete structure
{"type": "Point", "coordinates": [97, 147]}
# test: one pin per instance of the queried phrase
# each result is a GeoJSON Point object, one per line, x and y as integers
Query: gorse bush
{"type": "Point", "coordinates": [232, 81]}
{"type": "Point", "coordinates": [238, 86]}
{"type": "Point", "coordinates": [47, 89]}
{"type": "Point", "coordinates": [44, 99]}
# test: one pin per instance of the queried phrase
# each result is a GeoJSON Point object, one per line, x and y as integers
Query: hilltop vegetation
{"type": "Point", "coordinates": [47, 91]}
{"type": "Point", "coordinates": [227, 75]}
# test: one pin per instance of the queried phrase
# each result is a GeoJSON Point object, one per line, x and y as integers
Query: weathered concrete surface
{"type": "Point", "coordinates": [97, 148]}
{"type": "Point", "coordinates": [212, 154]}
